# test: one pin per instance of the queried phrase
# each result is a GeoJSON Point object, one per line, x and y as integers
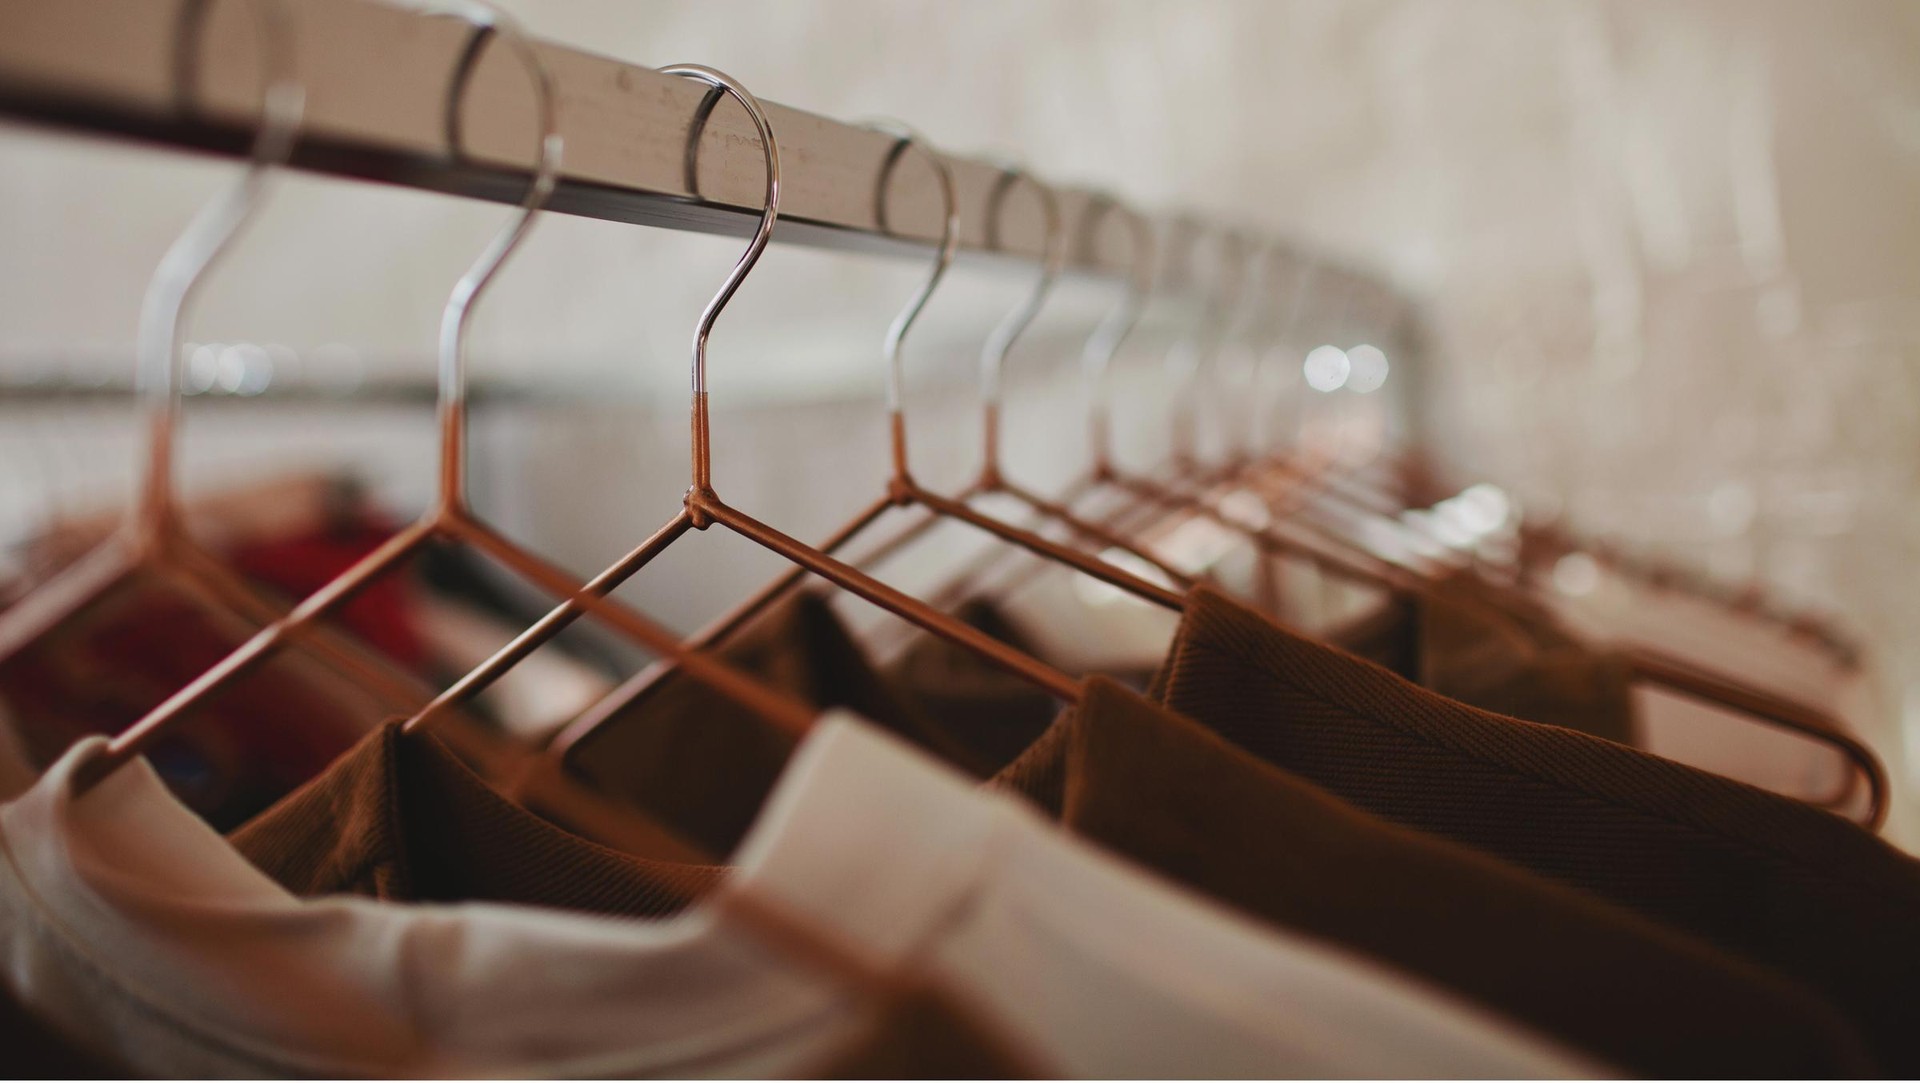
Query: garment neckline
{"type": "Point", "coordinates": [144, 895]}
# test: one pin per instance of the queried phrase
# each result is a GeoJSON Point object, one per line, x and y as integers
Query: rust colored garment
{"type": "Point", "coordinates": [701, 764]}
{"type": "Point", "coordinates": [1798, 890]}
{"type": "Point", "coordinates": [1502, 656]}
{"type": "Point", "coordinates": [1166, 793]}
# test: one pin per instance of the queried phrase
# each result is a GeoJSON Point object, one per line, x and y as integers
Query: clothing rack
{"type": "Point", "coordinates": [377, 77]}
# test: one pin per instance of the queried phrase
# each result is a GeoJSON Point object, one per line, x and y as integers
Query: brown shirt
{"type": "Point", "coordinates": [36, 1050]}
{"type": "Point", "coordinates": [1504, 656]}
{"type": "Point", "coordinates": [1163, 791]}
{"type": "Point", "coordinates": [1788, 886]}
{"type": "Point", "coordinates": [700, 764]}
{"type": "Point", "coordinates": [994, 714]}
{"type": "Point", "coordinates": [402, 819]}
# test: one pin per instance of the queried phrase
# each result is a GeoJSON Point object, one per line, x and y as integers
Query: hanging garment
{"type": "Point", "coordinates": [402, 819]}
{"type": "Point", "coordinates": [1098, 969]}
{"type": "Point", "coordinates": [381, 614]}
{"type": "Point", "coordinates": [700, 764]}
{"type": "Point", "coordinates": [17, 771]}
{"type": "Point", "coordinates": [1163, 791]}
{"type": "Point", "coordinates": [36, 1050]}
{"type": "Point", "coordinates": [992, 713]}
{"type": "Point", "coordinates": [1499, 655]}
{"type": "Point", "coordinates": [101, 670]}
{"type": "Point", "coordinates": [1769, 878]}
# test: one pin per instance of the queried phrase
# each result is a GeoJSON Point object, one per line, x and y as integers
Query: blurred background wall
{"type": "Point", "coordinates": [1667, 258]}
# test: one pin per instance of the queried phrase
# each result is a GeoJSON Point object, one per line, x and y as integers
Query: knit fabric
{"type": "Point", "coordinates": [701, 764]}
{"type": "Point", "coordinates": [400, 818]}
{"type": "Point", "coordinates": [1499, 655]}
{"type": "Point", "coordinates": [1164, 792]}
{"type": "Point", "coordinates": [1776, 881]}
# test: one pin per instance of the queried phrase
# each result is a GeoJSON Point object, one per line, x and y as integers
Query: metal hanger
{"type": "Point", "coordinates": [992, 478]}
{"type": "Point", "coordinates": [1154, 502]}
{"type": "Point", "coordinates": [450, 518]}
{"type": "Point", "coordinates": [702, 506]}
{"type": "Point", "coordinates": [901, 486]}
{"type": "Point", "coordinates": [1646, 666]}
{"type": "Point", "coordinates": [154, 541]}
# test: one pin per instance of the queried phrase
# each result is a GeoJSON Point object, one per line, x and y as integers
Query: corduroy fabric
{"type": "Point", "coordinates": [1504, 656]}
{"type": "Point", "coordinates": [1780, 883]}
{"type": "Point", "coordinates": [400, 818]}
{"type": "Point", "coordinates": [700, 764]}
{"type": "Point", "coordinates": [1163, 791]}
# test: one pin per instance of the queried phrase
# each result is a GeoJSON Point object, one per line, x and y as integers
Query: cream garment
{"type": "Point", "coordinates": [139, 931]}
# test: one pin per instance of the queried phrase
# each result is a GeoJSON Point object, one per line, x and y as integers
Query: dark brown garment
{"type": "Point", "coordinates": [1163, 791]}
{"type": "Point", "coordinates": [31, 1049]}
{"type": "Point", "coordinates": [700, 764]}
{"type": "Point", "coordinates": [990, 712]}
{"type": "Point", "coordinates": [402, 819]}
{"type": "Point", "coordinates": [920, 1032]}
{"type": "Point", "coordinates": [1502, 655]}
{"type": "Point", "coordinates": [1780, 883]}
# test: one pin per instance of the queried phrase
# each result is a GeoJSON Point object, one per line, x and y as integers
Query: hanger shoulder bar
{"type": "Point", "coordinates": [376, 77]}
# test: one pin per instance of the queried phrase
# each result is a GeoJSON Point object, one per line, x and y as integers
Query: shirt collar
{"type": "Point", "coordinates": [863, 836]}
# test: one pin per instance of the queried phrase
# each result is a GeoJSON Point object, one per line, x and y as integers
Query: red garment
{"type": "Point", "coordinates": [104, 667]}
{"type": "Point", "coordinates": [381, 614]}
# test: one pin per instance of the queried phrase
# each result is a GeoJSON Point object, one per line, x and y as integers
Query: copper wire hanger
{"type": "Point", "coordinates": [993, 361]}
{"type": "Point", "coordinates": [1096, 360]}
{"type": "Point", "coordinates": [450, 518]}
{"type": "Point", "coordinates": [992, 478]}
{"type": "Point", "coordinates": [702, 506]}
{"type": "Point", "coordinates": [1646, 666]}
{"type": "Point", "coordinates": [1649, 666]}
{"type": "Point", "coordinates": [1186, 493]}
{"type": "Point", "coordinates": [154, 540]}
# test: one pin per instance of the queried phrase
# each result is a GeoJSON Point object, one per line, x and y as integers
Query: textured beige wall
{"type": "Point", "coordinates": [1669, 253]}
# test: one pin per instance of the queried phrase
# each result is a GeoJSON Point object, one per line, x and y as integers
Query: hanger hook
{"type": "Point", "coordinates": [1096, 356]}
{"type": "Point", "coordinates": [213, 229]}
{"type": "Point", "coordinates": [993, 355]}
{"type": "Point", "coordinates": [1252, 285]}
{"type": "Point", "coordinates": [906, 138]}
{"type": "Point", "coordinates": [488, 22]}
{"type": "Point", "coordinates": [724, 84]}
{"type": "Point", "coordinates": [1190, 358]}
{"type": "Point", "coordinates": [1306, 281]}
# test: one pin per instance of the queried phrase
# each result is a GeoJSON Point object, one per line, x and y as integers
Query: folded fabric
{"type": "Point", "coordinates": [1783, 884]}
